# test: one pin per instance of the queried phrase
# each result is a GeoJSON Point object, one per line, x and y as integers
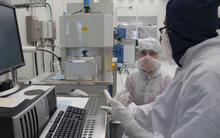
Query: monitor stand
{"type": "Point", "coordinates": [15, 88]}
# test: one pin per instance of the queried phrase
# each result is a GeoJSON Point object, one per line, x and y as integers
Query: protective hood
{"type": "Point", "coordinates": [190, 22]}
{"type": "Point", "coordinates": [149, 44]}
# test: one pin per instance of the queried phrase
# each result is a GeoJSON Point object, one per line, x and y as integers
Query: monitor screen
{"type": "Point", "coordinates": [219, 23]}
{"type": "Point", "coordinates": [11, 55]}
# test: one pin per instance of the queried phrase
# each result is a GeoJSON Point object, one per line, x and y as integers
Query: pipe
{"type": "Point", "coordinates": [49, 51]}
{"type": "Point", "coordinates": [50, 10]}
{"type": "Point", "coordinates": [35, 49]}
{"type": "Point", "coordinates": [29, 49]}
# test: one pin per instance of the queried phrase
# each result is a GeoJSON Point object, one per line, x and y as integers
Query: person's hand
{"type": "Point", "coordinates": [118, 111]}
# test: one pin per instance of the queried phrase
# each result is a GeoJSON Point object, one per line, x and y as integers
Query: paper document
{"type": "Point", "coordinates": [72, 101]}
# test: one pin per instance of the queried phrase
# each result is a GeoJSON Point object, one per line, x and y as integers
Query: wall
{"type": "Point", "coordinates": [141, 8]}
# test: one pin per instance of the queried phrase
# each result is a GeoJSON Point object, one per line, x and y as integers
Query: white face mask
{"type": "Point", "coordinates": [166, 52]}
{"type": "Point", "coordinates": [147, 64]}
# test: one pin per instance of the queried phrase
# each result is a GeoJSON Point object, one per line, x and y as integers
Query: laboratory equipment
{"type": "Point", "coordinates": [82, 68]}
{"type": "Point", "coordinates": [33, 29]}
{"type": "Point", "coordinates": [147, 31]}
{"type": "Point", "coordinates": [87, 41]}
{"type": "Point", "coordinates": [87, 5]}
{"type": "Point", "coordinates": [118, 51]}
{"type": "Point", "coordinates": [48, 30]}
{"type": "Point", "coordinates": [124, 46]}
{"type": "Point", "coordinates": [96, 7]}
{"type": "Point", "coordinates": [25, 114]}
{"type": "Point", "coordinates": [27, 3]}
{"type": "Point", "coordinates": [118, 48]}
{"type": "Point", "coordinates": [120, 33]}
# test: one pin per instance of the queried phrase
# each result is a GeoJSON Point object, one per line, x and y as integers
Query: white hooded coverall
{"type": "Point", "coordinates": [142, 88]}
{"type": "Point", "coordinates": [190, 106]}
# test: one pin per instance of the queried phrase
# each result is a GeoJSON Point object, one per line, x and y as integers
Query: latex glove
{"type": "Point", "coordinates": [121, 113]}
{"type": "Point", "coordinates": [118, 111]}
{"type": "Point", "coordinates": [78, 93]}
{"type": "Point", "coordinates": [123, 97]}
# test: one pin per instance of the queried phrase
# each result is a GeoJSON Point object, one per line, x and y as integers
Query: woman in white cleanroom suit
{"type": "Point", "coordinates": [143, 86]}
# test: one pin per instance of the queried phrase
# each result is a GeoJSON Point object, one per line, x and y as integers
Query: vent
{"type": "Point", "coordinates": [89, 127]}
{"type": "Point", "coordinates": [29, 124]}
{"type": "Point", "coordinates": [26, 127]}
{"type": "Point", "coordinates": [22, 128]}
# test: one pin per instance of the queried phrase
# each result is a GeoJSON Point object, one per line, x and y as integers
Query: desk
{"type": "Point", "coordinates": [95, 91]}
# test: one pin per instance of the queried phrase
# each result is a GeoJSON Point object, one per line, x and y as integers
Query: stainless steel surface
{"type": "Point", "coordinates": [114, 80]}
{"type": "Point", "coordinates": [102, 55]}
{"type": "Point", "coordinates": [81, 68]}
{"type": "Point", "coordinates": [14, 77]}
{"type": "Point", "coordinates": [77, 36]}
{"type": "Point", "coordinates": [96, 120]}
{"type": "Point", "coordinates": [94, 103]}
{"type": "Point", "coordinates": [45, 78]}
{"type": "Point", "coordinates": [86, 30]}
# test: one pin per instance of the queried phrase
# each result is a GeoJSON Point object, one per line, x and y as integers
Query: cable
{"type": "Point", "coordinates": [49, 51]}
{"type": "Point", "coordinates": [50, 9]}
{"type": "Point", "coordinates": [43, 62]}
{"type": "Point", "coordinates": [53, 59]}
{"type": "Point", "coordinates": [77, 12]}
{"type": "Point", "coordinates": [35, 60]}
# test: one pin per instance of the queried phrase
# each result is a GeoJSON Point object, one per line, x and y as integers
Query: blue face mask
{"type": "Point", "coordinates": [190, 22]}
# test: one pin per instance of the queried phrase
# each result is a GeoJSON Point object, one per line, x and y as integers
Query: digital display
{"type": "Point", "coordinates": [11, 55]}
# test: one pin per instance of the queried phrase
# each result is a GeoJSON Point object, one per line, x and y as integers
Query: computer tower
{"type": "Point", "coordinates": [28, 119]}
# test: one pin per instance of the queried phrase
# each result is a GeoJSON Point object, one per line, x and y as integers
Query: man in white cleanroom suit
{"type": "Point", "coordinates": [190, 106]}
{"type": "Point", "coordinates": [143, 86]}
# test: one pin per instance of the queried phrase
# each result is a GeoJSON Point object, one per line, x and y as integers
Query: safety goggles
{"type": "Point", "coordinates": [163, 30]}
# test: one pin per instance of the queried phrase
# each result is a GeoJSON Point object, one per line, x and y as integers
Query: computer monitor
{"type": "Point", "coordinates": [11, 55]}
{"type": "Point", "coordinates": [219, 23]}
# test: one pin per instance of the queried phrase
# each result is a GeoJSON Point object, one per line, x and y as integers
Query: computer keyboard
{"type": "Point", "coordinates": [68, 123]}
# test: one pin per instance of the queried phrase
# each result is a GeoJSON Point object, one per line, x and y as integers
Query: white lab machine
{"type": "Point", "coordinates": [87, 38]}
